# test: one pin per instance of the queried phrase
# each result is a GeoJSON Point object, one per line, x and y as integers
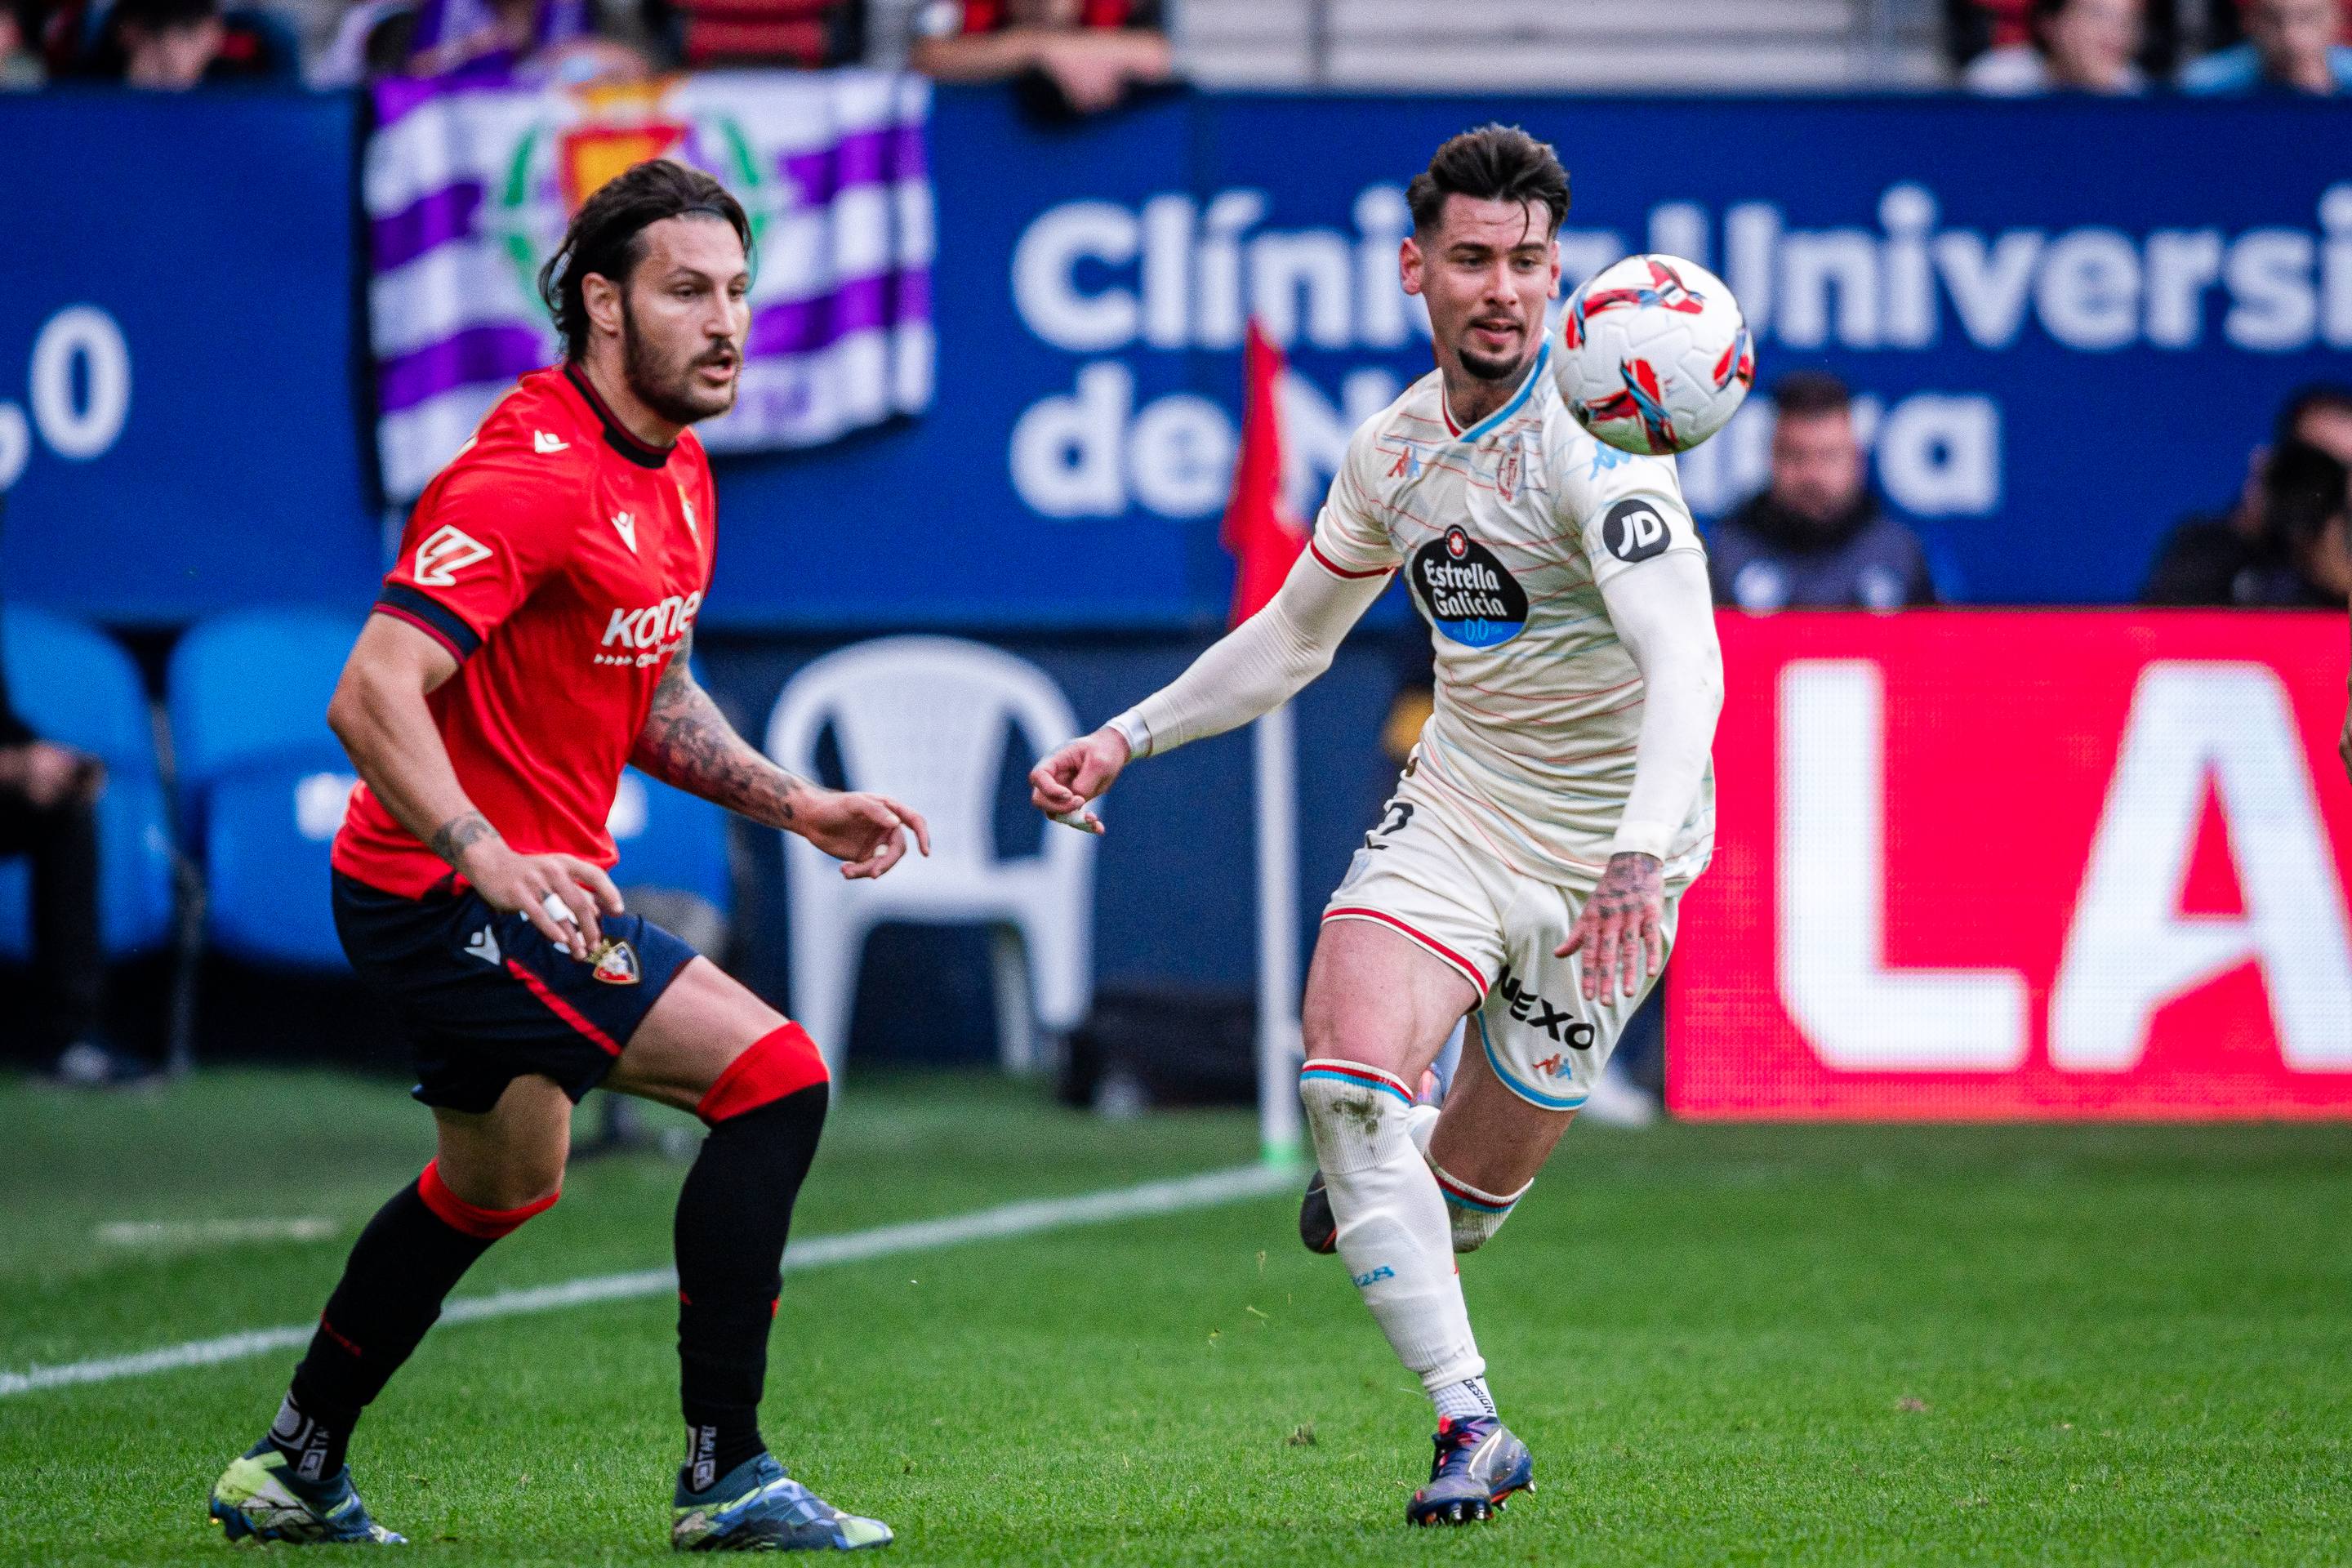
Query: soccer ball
{"type": "Point", "coordinates": [1653, 354]}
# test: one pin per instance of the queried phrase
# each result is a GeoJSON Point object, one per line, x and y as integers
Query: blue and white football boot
{"type": "Point", "coordinates": [1478, 1465]}
{"type": "Point", "coordinates": [755, 1507]}
{"type": "Point", "coordinates": [259, 1498]}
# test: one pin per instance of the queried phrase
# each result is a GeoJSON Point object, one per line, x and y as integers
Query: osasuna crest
{"type": "Point", "coordinates": [616, 963]}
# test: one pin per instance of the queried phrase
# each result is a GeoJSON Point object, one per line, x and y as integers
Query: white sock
{"type": "Point", "coordinates": [1461, 1401]}
{"type": "Point", "coordinates": [1477, 1215]}
{"type": "Point", "coordinates": [1394, 1233]}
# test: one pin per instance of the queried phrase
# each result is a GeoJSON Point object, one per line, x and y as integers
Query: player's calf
{"type": "Point", "coordinates": [1477, 1215]}
{"type": "Point", "coordinates": [766, 1111]}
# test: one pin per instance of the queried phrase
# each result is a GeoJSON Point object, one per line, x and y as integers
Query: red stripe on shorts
{"type": "Point", "coordinates": [1469, 970]}
{"type": "Point", "coordinates": [562, 1009]}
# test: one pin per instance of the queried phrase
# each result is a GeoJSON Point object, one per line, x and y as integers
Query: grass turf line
{"type": "Point", "coordinates": [1723, 1345]}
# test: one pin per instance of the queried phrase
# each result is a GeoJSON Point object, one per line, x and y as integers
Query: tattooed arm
{"type": "Point", "coordinates": [378, 713]}
{"type": "Point", "coordinates": [688, 742]}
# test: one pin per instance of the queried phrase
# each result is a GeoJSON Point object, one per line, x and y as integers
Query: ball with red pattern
{"type": "Point", "coordinates": [1653, 354]}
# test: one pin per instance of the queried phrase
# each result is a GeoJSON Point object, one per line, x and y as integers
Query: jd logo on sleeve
{"type": "Point", "coordinates": [1634, 531]}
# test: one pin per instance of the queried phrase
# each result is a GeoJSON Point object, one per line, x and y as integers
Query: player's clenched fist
{"type": "Point", "coordinates": [1061, 785]}
{"type": "Point", "coordinates": [866, 832]}
{"type": "Point", "coordinates": [1622, 928]}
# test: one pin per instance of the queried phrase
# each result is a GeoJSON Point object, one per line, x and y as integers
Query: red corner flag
{"type": "Point", "coordinates": [1261, 531]}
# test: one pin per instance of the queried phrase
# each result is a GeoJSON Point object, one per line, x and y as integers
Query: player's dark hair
{"type": "Point", "coordinates": [2303, 486]}
{"type": "Point", "coordinates": [607, 235]}
{"type": "Point", "coordinates": [1803, 392]}
{"type": "Point", "coordinates": [1491, 163]}
{"type": "Point", "coordinates": [2333, 396]}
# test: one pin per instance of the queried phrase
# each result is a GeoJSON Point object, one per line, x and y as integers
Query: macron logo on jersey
{"type": "Point", "coordinates": [543, 444]}
{"type": "Point", "coordinates": [627, 527]}
{"type": "Point", "coordinates": [446, 552]}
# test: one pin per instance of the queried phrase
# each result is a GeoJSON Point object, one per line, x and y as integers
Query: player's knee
{"type": "Point", "coordinates": [1353, 1110]}
{"type": "Point", "coordinates": [521, 1198]}
{"type": "Point", "coordinates": [1475, 1215]}
{"type": "Point", "coordinates": [777, 1066]}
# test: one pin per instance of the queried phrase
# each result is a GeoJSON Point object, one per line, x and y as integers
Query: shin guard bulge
{"type": "Point", "coordinates": [1392, 1228]}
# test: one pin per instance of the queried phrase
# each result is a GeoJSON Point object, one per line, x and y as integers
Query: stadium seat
{"type": "Point", "coordinates": [924, 720]}
{"type": "Point", "coordinates": [78, 686]}
{"type": "Point", "coordinates": [262, 782]}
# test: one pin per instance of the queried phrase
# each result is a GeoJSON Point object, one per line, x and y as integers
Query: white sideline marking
{"type": "Point", "coordinates": [211, 1231]}
{"type": "Point", "coordinates": [818, 1252]}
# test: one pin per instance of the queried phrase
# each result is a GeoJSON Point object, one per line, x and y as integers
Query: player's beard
{"type": "Point", "coordinates": [669, 389]}
{"type": "Point", "coordinates": [1486, 367]}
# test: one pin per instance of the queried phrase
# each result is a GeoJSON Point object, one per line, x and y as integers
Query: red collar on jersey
{"type": "Point", "coordinates": [617, 436]}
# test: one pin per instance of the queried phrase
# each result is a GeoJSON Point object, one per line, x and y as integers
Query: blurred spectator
{"type": "Point", "coordinates": [2203, 559]}
{"type": "Point", "coordinates": [1816, 538]}
{"type": "Point", "coordinates": [167, 45]}
{"type": "Point", "coordinates": [47, 796]}
{"type": "Point", "coordinates": [520, 40]}
{"type": "Point", "coordinates": [2307, 565]}
{"type": "Point", "coordinates": [1067, 56]}
{"type": "Point", "coordinates": [2079, 46]}
{"type": "Point", "coordinates": [374, 38]}
{"type": "Point", "coordinates": [2292, 45]}
{"type": "Point", "coordinates": [20, 64]}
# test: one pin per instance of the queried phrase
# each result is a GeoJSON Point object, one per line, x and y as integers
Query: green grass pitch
{"type": "Point", "coordinates": [1723, 1345]}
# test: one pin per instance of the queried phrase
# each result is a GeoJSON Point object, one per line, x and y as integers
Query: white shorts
{"type": "Point", "coordinates": [1421, 878]}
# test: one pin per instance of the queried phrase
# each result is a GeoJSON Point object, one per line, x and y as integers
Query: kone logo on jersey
{"type": "Point", "coordinates": [644, 636]}
{"type": "Point", "coordinates": [1467, 592]}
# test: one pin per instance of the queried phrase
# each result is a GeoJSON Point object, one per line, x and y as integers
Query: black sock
{"type": "Point", "coordinates": [404, 1263]}
{"type": "Point", "coordinates": [733, 1215]}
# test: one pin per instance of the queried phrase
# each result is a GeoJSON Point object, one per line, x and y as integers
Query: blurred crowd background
{"type": "Point", "coordinates": [1083, 56]}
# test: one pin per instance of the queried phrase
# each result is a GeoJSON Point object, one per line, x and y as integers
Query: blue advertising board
{"type": "Point", "coordinates": [178, 426]}
{"type": "Point", "coordinates": [2069, 321]}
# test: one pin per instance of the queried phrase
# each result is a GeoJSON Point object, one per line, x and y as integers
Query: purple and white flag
{"type": "Point", "coordinates": [469, 190]}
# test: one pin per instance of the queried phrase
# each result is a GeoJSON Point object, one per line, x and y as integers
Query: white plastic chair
{"type": "Point", "coordinates": [923, 719]}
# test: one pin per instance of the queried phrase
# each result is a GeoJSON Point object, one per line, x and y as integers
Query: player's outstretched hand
{"type": "Point", "coordinates": [1061, 785]}
{"type": "Point", "coordinates": [866, 832]}
{"type": "Point", "coordinates": [1623, 927]}
{"type": "Point", "coordinates": [560, 894]}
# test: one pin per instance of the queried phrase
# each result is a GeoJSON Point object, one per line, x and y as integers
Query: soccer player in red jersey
{"type": "Point", "coordinates": [532, 642]}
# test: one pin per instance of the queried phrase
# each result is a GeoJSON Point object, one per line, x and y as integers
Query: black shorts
{"type": "Point", "coordinates": [484, 998]}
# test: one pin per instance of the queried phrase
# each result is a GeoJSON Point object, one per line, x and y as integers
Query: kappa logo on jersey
{"type": "Point", "coordinates": [1466, 592]}
{"type": "Point", "coordinates": [1532, 1010]}
{"type": "Point", "coordinates": [1634, 531]}
{"type": "Point", "coordinates": [645, 635]}
{"type": "Point", "coordinates": [484, 944]}
{"type": "Point", "coordinates": [627, 527]}
{"type": "Point", "coordinates": [446, 552]}
{"type": "Point", "coordinates": [543, 444]}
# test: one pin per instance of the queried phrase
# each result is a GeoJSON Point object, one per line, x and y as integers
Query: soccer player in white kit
{"type": "Point", "coordinates": [1526, 872]}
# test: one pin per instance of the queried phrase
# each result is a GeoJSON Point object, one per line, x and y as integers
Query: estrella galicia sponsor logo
{"type": "Point", "coordinates": [1535, 1012]}
{"type": "Point", "coordinates": [1467, 592]}
{"type": "Point", "coordinates": [1634, 531]}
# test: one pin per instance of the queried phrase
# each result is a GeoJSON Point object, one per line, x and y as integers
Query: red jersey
{"type": "Point", "coordinates": [562, 561]}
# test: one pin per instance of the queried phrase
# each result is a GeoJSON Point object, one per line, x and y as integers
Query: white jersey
{"type": "Point", "coordinates": [1506, 532]}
